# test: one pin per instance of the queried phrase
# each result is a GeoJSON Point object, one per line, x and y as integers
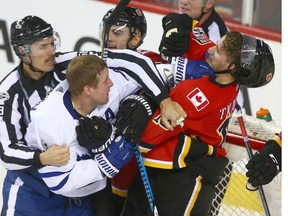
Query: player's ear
{"type": "Point", "coordinates": [134, 42]}
{"type": "Point", "coordinates": [209, 6]}
{"type": "Point", "coordinates": [21, 51]}
{"type": "Point", "coordinates": [232, 67]}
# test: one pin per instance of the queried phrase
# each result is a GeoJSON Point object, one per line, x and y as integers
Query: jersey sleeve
{"type": "Point", "coordinates": [159, 135]}
{"type": "Point", "coordinates": [142, 69]}
{"type": "Point", "coordinates": [64, 180]}
{"type": "Point", "coordinates": [15, 154]}
{"type": "Point", "coordinates": [76, 179]}
{"type": "Point", "coordinates": [199, 44]}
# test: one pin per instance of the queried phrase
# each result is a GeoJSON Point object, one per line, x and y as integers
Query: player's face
{"type": "Point", "coordinates": [118, 37]}
{"type": "Point", "coordinates": [100, 94]}
{"type": "Point", "coordinates": [42, 54]}
{"type": "Point", "coordinates": [193, 8]}
{"type": "Point", "coordinates": [218, 58]}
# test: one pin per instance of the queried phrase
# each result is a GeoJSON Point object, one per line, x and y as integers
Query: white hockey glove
{"type": "Point", "coordinates": [181, 69]}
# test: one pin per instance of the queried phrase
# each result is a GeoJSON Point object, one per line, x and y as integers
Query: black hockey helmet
{"type": "Point", "coordinates": [132, 17]}
{"type": "Point", "coordinates": [257, 59]}
{"type": "Point", "coordinates": [28, 30]}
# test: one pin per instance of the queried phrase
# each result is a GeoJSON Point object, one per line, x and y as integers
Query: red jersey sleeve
{"type": "Point", "coordinates": [199, 44]}
{"type": "Point", "coordinates": [155, 57]}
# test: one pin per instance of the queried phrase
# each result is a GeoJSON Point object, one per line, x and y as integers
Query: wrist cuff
{"type": "Point", "coordinates": [37, 161]}
{"type": "Point", "coordinates": [180, 69]}
{"type": "Point", "coordinates": [106, 167]}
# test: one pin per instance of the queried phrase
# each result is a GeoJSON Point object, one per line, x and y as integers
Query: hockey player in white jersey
{"type": "Point", "coordinates": [86, 93]}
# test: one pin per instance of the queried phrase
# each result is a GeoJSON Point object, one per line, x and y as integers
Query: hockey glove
{"type": "Point", "coordinates": [190, 149]}
{"type": "Point", "coordinates": [176, 37]}
{"type": "Point", "coordinates": [133, 116]}
{"type": "Point", "coordinates": [95, 133]}
{"type": "Point", "coordinates": [200, 149]}
{"type": "Point", "coordinates": [193, 69]}
{"type": "Point", "coordinates": [115, 157]}
{"type": "Point", "coordinates": [264, 165]}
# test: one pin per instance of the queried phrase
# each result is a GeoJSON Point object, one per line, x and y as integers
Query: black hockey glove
{"type": "Point", "coordinates": [194, 149]}
{"type": "Point", "coordinates": [134, 113]}
{"type": "Point", "coordinates": [264, 165]}
{"type": "Point", "coordinates": [95, 133]}
{"type": "Point", "coordinates": [176, 37]}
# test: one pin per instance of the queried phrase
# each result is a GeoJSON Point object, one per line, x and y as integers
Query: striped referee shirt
{"type": "Point", "coordinates": [19, 93]}
{"type": "Point", "coordinates": [214, 27]}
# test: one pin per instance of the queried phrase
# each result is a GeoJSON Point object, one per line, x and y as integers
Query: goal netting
{"type": "Point", "coordinates": [232, 197]}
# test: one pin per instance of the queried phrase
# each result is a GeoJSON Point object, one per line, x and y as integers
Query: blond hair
{"type": "Point", "coordinates": [84, 70]}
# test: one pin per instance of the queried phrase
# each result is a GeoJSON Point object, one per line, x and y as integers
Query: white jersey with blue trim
{"type": "Point", "coordinates": [53, 121]}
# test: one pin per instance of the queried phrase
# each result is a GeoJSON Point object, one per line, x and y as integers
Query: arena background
{"type": "Point", "coordinates": [77, 22]}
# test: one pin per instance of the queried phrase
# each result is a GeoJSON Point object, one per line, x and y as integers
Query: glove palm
{"type": "Point", "coordinates": [176, 37]}
{"type": "Point", "coordinates": [95, 133]}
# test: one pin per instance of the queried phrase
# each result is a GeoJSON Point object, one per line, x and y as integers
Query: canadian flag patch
{"type": "Point", "coordinates": [198, 99]}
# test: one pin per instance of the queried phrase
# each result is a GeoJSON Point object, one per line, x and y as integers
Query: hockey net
{"type": "Point", "coordinates": [232, 197]}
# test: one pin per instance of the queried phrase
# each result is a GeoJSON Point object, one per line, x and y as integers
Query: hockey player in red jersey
{"type": "Point", "coordinates": [129, 31]}
{"type": "Point", "coordinates": [182, 177]}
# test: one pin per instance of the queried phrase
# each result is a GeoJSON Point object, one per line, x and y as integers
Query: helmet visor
{"type": "Point", "coordinates": [56, 40]}
{"type": "Point", "coordinates": [248, 51]}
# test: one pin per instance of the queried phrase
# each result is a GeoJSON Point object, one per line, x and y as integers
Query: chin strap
{"type": "Point", "coordinates": [223, 72]}
{"type": "Point", "coordinates": [33, 68]}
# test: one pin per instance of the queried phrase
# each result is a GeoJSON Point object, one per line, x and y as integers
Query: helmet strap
{"type": "Point", "coordinates": [228, 70]}
{"type": "Point", "coordinates": [33, 68]}
{"type": "Point", "coordinates": [223, 71]}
